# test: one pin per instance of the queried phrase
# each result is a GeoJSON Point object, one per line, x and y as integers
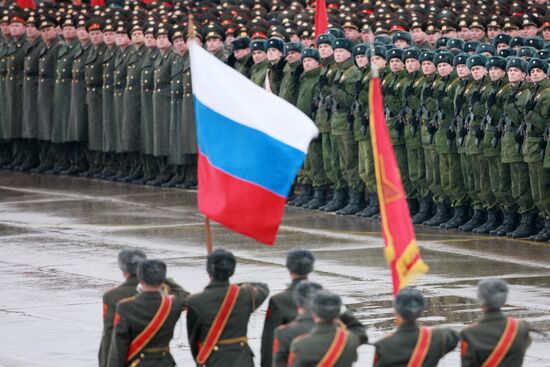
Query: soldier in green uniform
{"type": "Point", "coordinates": [259, 56]}
{"type": "Point", "coordinates": [30, 88]}
{"type": "Point", "coordinates": [214, 37]}
{"type": "Point", "coordinates": [46, 84]}
{"type": "Point", "coordinates": [128, 260]}
{"type": "Point", "coordinates": [93, 74]}
{"type": "Point", "coordinates": [518, 95]}
{"type": "Point", "coordinates": [241, 56]}
{"type": "Point", "coordinates": [77, 129]}
{"type": "Point", "coordinates": [536, 122]}
{"type": "Point", "coordinates": [312, 348]}
{"type": "Point", "coordinates": [134, 315]}
{"type": "Point", "coordinates": [5, 36]}
{"type": "Point", "coordinates": [231, 347]}
{"type": "Point", "coordinates": [62, 96]}
{"type": "Point", "coordinates": [480, 340]}
{"type": "Point", "coordinates": [275, 56]}
{"type": "Point", "coordinates": [397, 349]}
{"type": "Point", "coordinates": [291, 72]}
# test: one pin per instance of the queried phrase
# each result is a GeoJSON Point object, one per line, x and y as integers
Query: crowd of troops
{"type": "Point", "coordinates": [305, 325]}
{"type": "Point", "coordinates": [106, 93]}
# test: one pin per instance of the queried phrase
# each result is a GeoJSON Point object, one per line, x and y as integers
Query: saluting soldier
{"type": "Point", "coordinates": [128, 260]}
{"type": "Point", "coordinates": [30, 89]}
{"type": "Point", "coordinates": [496, 340]}
{"type": "Point", "coordinates": [291, 73]}
{"type": "Point", "coordinates": [241, 56]}
{"type": "Point", "coordinates": [217, 318]}
{"type": "Point", "coordinates": [328, 342]}
{"type": "Point", "coordinates": [153, 313]}
{"type": "Point", "coordinates": [5, 36]}
{"type": "Point", "coordinates": [259, 56]}
{"type": "Point", "coordinates": [410, 342]}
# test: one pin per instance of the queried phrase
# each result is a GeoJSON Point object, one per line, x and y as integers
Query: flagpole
{"type": "Point", "coordinates": [208, 235]}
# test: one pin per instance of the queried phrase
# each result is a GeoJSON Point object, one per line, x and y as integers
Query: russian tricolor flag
{"type": "Point", "coordinates": [251, 146]}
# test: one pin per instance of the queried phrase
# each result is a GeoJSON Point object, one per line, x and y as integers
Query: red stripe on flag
{"type": "Point", "coordinates": [321, 18]}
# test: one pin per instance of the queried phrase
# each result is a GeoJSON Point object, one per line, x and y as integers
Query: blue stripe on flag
{"type": "Point", "coordinates": [246, 153]}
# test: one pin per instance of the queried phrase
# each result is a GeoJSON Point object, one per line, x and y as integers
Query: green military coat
{"type": "Point", "coordinates": [258, 72]}
{"type": "Point", "coordinates": [514, 108]}
{"type": "Point", "coordinates": [130, 131]}
{"type": "Point", "coordinates": [119, 84]}
{"type": "Point", "coordinates": [493, 100]}
{"type": "Point", "coordinates": [536, 122]}
{"type": "Point", "coordinates": [285, 334]}
{"type": "Point", "coordinates": [30, 89]}
{"type": "Point", "coordinates": [161, 104]}
{"type": "Point", "coordinates": [4, 44]}
{"type": "Point", "coordinates": [290, 82]}
{"type": "Point", "coordinates": [15, 59]}
{"type": "Point", "coordinates": [189, 128]}
{"type": "Point", "coordinates": [108, 99]}
{"type": "Point", "coordinates": [147, 111]}
{"type": "Point", "coordinates": [94, 96]}
{"type": "Point", "coordinates": [176, 100]}
{"type": "Point", "coordinates": [426, 111]}
{"type": "Point", "coordinates": [77, 129]}
{"type": "Point", "coordinates": [392, 88]}
{"type": "Point", "coordinates": [203, 308]}
{"type": "Point", "coordinates": [307, 85]}
{"type": "Point", "coordinates": [275, 75]}
{"type": "Point", "coordinates": [397, 348]}
{"type": "Point", "coordinates": [412, 89]}
{"type": "Point", "coordinates": [47, 64]}
{"type": "Point", "coordinates": [62, 91]}
{"type": "Point", "coordinates": [244, 64]}
{"type": "Point", "coordinates": [323, 98]}
{"type": "Point", "coordinates": [444, 92]}
{"type": "Point", "coordinates": [346, 76]}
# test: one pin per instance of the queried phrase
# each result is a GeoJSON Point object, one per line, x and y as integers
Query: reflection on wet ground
{"type": "Point", "coordinates": [59, 238]}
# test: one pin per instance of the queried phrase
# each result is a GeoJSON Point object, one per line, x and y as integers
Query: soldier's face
{"type": "Point", "coordinates": [496, 73]}
{"type": "Point", "coordinates": [477, 34]}
{"type": "Point", "coordinates": [229, 38]}
{"type": "Point", "coordinates": [17, 29]}
{"type": "Point", "coordinates": [180, 45]}
{"type": "Point", "coordinates": [69, 33]}
{"type": "Point", "coordinates": [378, 62]}
{"type": "Point", "coordinates": [31, 31]}
{"type": "Point", "coordinates": [351, 33]}
{"type": "Point", "coordinates": [239, 54]}
{"type": "Point", "coordinates": [478, 72]}
{"type": "Point", "coordinates": [433, 37]}
{"type": "Point", "coordinates": [444, 69]}
{"type": "Point", "coordinates": [418, 35]}
{"type": "Point", "coordinates": [96, 37]}
{"type": "Point", "coordinates": [213, 44]}
{"type": "Point", "coordinates": [48, 34]}
{"type": "Point", "coordinates": [307, 42]}
{"type": "Point", "coordinates": [295, 38]}
{"type": "Point", "coordinates": [530, 31]}
{"type": "Point", "coordinates": [464, 33]}
{"type": "Point", "coordinates": [412, 65]}
{"type": "Point", "coordinates": [492, 33]}
{"type": "Point", "coordinates": [401, 44]}
{"type": "Point", "coordinates": [396, 65]}
{"type": "Point", "coordinates": [109, 38]}
{"type": "Point", "coordinates": [428, 68]}
{"type": "Point", "coordinates": [341, 55]}
{"type": "Point", "coordinates": [137, 38]}
{"type": "Point", "coordinates": [274, 55]}
{"type": "Point", "coordinates": [150, 41]}
{"type": "Point", "coordinates": [5, 29]}
{"type": "Point", "coordinates": [361, 60]}
{"type": "Point", "coordinates": [292, 57]}
{"type": "Point", "coordinates": [310, 64]}
{"type": "Point", "coordinates": [163, 42]}
{"type": "Point", "coordinates": [501, 46]}
{"type": "Point", "coordinates": [546, 33]}
{"type": "Point", "coordinates": [462, 71]}
{"type": "Point", "coordinates": [122, 40]}
{"type": "Point", "coordinates": [82, 34]}
{"type": "Point", "coordinates": [515, 75]}
{"type": "Point", "coordinates": [537, 75]}
{"type": "Point", "coordinates": [451, 34]}
{"type": "Point", "coordinates": [367, 36]}
{"type": "Point", "coordinates": [325, 50]}
{"type": "Point", "coordinates": [258, 56]}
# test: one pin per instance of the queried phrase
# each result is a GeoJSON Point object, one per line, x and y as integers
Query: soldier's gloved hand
{"type": "Point", "coordinates": [518, 137]}
{"type": "Point", "coordinates": [323, 80]}
{"type": "Point", "coordinates": [299, 70]}
{"type": "Point", "coordinates": [432, 128]}
{"type": "Point", "coordinates": [479, 133]}
{"type": "Point", "coordinates": [491, 100]}
{"type": "Point", "coordinates": [450, 134]}
{"type": "Point", "coordinates": [529, 105]}
{"type": "Point", "coordinates": [475, 96]}
{"type": "Point", "coordinates": [358, 87]}
{"type": "Point", "coordinates": [231, 60]}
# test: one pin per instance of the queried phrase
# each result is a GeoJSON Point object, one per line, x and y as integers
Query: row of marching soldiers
{"type": "Point", "coordinates": [469, 127]}
{"type": "Point", "coordinates": [305, 325]}
{"type": "Point", "coordinates": [96, 97]}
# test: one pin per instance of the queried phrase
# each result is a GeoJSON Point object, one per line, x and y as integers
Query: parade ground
{"type": "Point", "coordinates": [59, 237]}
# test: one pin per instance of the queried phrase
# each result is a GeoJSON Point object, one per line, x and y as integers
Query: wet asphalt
{"type": "Point", "coordinates": [59, 237]}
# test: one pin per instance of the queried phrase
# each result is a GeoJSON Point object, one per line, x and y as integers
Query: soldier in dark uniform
{"type": "Point", "coordinates": [5, 36]}
{"type": "Point", "coordinates": [312, 348]}
{"type": "Point", "coordinates": [214, 37]}
{"type": "Point", "coordinates": [135, 314]}
{"type": "Point", "coordinates": [128, 260]}
{"type": "Point", "coordinates": [241, 56]}
{"type": "Point", "coordinates": [231, 348]}
{"type": "Point", "coordinates": [400, 347]}
{"type": "Point", "coordinates": [274, 48]}
{"type": "Point", "coordinates": [30, 87]}
{"type": "Point", "coordinates": [480, 340]}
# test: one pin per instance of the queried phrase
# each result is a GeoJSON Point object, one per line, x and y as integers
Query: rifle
{"type": "Point", "coordinates": [520, 135]}
{"type": "Point", "coordinates": [544, 142]}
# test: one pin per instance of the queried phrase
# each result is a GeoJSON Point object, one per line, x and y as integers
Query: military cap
{"type": "Point", "coordinates": [441, 42]}
{"type": "Point", "coordinates": [426, 56]}
{"type": "Point", "coordinates": [336, 32]}
{"type": "Point", "coordinates": [277, 31]}
{"type": "Point", "coordinates": [492, 293]}
{"type": "Point", "coordinates": [409, 304]}
{"type": "Point", "coordinates": [507, 52]}
{"type": "Point", "coordinates": [293, 46]}
{"type": "Point", "coordinates": [108, 26]}
{"type": "Point", "coordinates": [32, 20]}
{"type": "Point", "coordinates": [349, 22]}
{"type": "Point", "coordinates": [326, 305]}
{"type": "Point", "coordinates": [214, 30]}
{"type": "Point", "coordinates": [455, 43]}
{"type": "Point", "coordinates": [122, 27]}
{"type": "Point", "coordinates": [411, 53]}
{"type": "Point", "coordinates": [151, 30]}
{"type": "Point", "coordinates": [162, 30]}
{"type": "Point", "coordinates": [470, 46]}
{"type": "Point", "coordinates": [17, 16]}
{"type": "Point", "coordinates": [516, 62]}
{"type": "Point", "coordinates": [528, 20]}
{"type": "Point", "coordinates": [543, 54]}
{"type": "Point", "coordinates": [477, 23]}
{"type": "Point", "coordinates": [304, 292]}
{"type": "Point", "coordinates": [300, 261]}
{"type": "Point", "coordinates": [546, 22]}
{"type": "Point", "coordinates": [398, 25]}
{"type": "Point", "coordinates": [257, 45]}
{"type": "Point", "coordinates": [394, 53]}
{"type": "Point", "coordinates": [383, 39]}
{"type": "Point", "coordinates": [152, 272]}
{"type": "Point", "coordinates": [310, 52]}
{"type": "Point", "coordinates": [494, 22]}
{"type": "Point", "coordinates": [359, 49]}
{"type": "Point", "coordinates": [178, 32]}
{"type": "Point", "coordinates": [129, 258]}
{"type": "Point", "coordinates": [258, 32]}
{"type": "Point", "coordinates": [275, 43]}
{"type": "Point", "coordinates": [497, 62]}
{"type": "Point", "coordinates": [443, 57]}
{"type": "Point", "coordinates": [431, 28]}
{"type": "Point", "coordinates": [342, 43]}
{"type": "Point", "coordinates": [220, 264]}
{"type": "Point", "coordinates": [460, 59]}
{"type": "Point", "coordinates": [378, 50]}
{"type": "Point", "coordinates": [526, 51]}
{"type": "Point", "coordinates": [94, 24]}
{"type": "Point", "coordinates": [537, 63]}
{"type": "Point", "coordinates": [486, 47]}
{"type": "Point", "coordinates": [136, 25]}
{"type": "Point", "coordinates": [516, 41]}
{"type": "Point", "coordinates": [476, 60]}
{"type": "Point", "coordinates": [535, 42]}
{"type": "Point", "coordinates": [325, 38]}
{"type": "Point", "coordinates": [403, 36]}
{"type": "Point", "coordinates": [502, 38]}
{"type": "Point", "coordinates": [240, 43]}
{"type": "Point", "coordinates": [448, 27]}
{"type": "Point", "coordinates": [510, 24]}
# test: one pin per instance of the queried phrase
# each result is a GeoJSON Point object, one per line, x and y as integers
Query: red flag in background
{"type": "Point", "coordinates": [401, 250]}
{"type": "Point", "coordinates": [321, 19]}
{"type": "Point", "coordinates": [97, 3]}
{"type": "Point", "coordinates": [25, 4]}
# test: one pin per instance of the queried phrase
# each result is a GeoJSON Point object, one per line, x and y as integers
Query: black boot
{"type": "Point", "coordinates": [304, 196]}
{"type": "Point", "coordinates": [442, 215]}
{"type": "Point", "coordinates": [294, 194]}
{"type": "Point", "coordinates": [372, 209]}
{"type": "Point", "coordinates": [355, 204]}
{"type": "Point", "coordinates": [493, 221]}
{"type": "Point", "coordinates": [508, 225]}
{"type": "Point", "coordinates": [178, 179]}
{"type": "Point", "coordinates": [477, 220]}
{"type": "Point", "coordinates": [413, 206]}
{"type": "Point", "coordinates": [424, 212]}
{"type": "Point", "coordinates": [459, 218]}
{"type": "Point", "coordinates": [526, 227]}
{"type": "Point", "coordinates": [319, 198]}
{"type": "Point", "coordinates": [544, 234]}
{"type": "Point", "coordinates": [339, 200]}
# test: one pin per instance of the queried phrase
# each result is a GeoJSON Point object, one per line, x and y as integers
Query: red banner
{"type": "Point", "coordinates": [29, 4]}
{"type": "Point", "coordinates": [401, 250]}
{"type": "Point", "coordinates": [321, 19]}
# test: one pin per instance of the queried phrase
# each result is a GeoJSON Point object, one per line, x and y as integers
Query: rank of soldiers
{"type": "Point", "coordinates": [305, 325]}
